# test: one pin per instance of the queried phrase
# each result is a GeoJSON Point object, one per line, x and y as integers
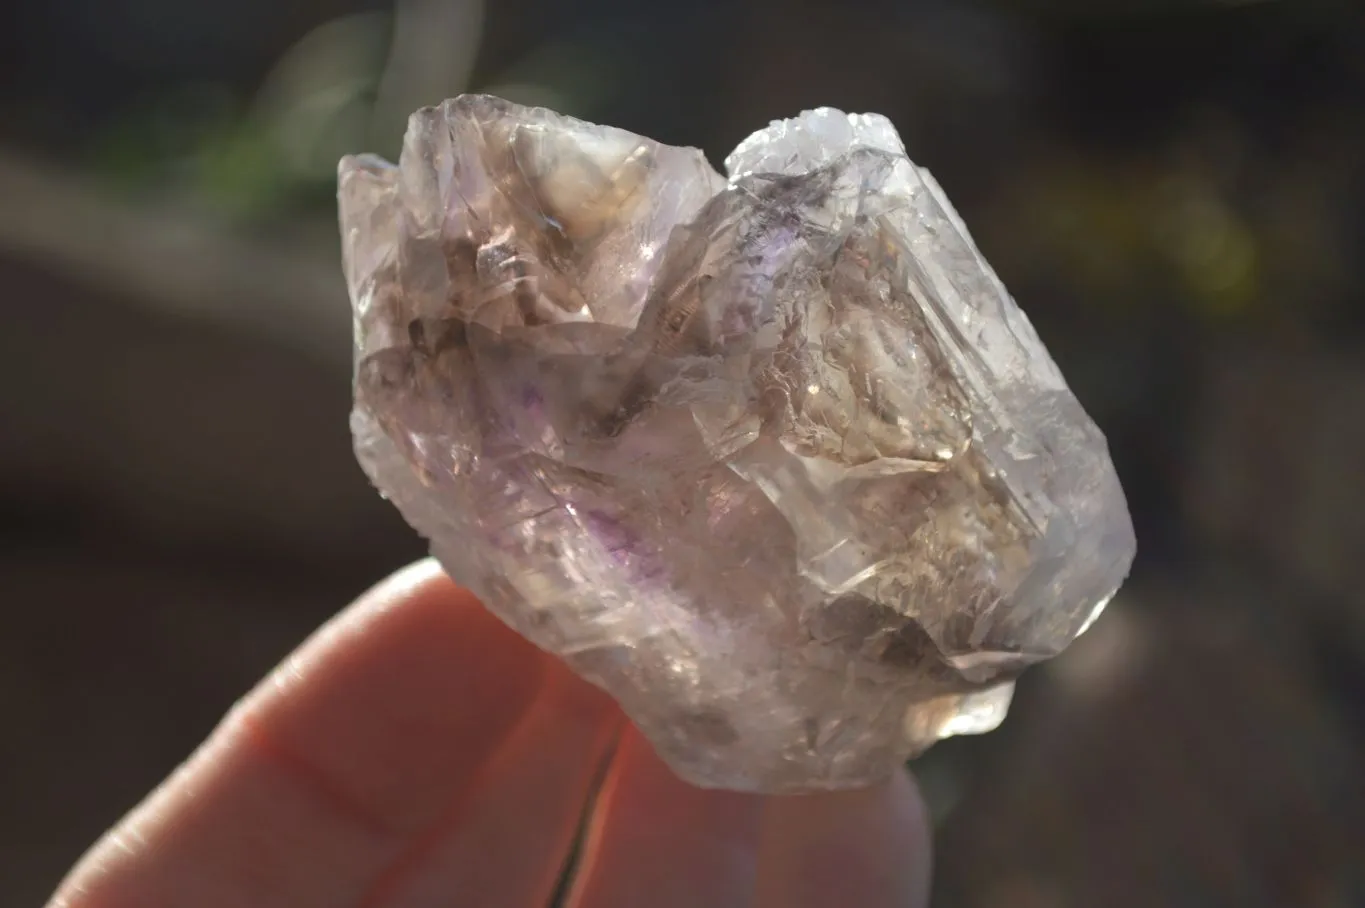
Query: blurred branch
{"type": "Point", "coordinates": [179, 261]}
{"type": "Point", "coordinates": [435, 43]}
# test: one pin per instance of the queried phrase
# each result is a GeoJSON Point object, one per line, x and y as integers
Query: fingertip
{"type": "Point", "coordinates": [399, 696]}
{"type": "Point", "coordinates": [373, 729]}
{"type": "Point", "coordinates": [419, 592]}
{"type": "Point", "coordinates": [425, 577]}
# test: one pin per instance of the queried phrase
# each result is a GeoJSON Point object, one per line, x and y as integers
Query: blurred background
{"type": "Point", "coordinates": [1173, 189]}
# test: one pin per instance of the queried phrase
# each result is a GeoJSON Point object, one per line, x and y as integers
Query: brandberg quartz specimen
{"type": "Point", "coordinates": [773, 459]}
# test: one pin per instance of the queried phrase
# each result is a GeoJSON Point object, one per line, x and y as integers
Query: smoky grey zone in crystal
{"type": "Point", "coordinates": [775, 461]}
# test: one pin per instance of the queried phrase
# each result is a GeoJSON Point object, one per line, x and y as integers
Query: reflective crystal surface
{"type": "Point", "coordinates": [773, 459]}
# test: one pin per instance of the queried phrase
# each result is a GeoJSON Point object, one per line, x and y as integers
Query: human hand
{"type": "Point", "coordinates": [416, 752]}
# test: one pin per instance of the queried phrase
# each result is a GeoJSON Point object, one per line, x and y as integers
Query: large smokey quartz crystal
{"type": "Point", "coordinates": [773, 458]}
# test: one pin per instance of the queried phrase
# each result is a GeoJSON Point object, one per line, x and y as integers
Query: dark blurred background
{"type": "Point", "coordinates": [1175, 191]}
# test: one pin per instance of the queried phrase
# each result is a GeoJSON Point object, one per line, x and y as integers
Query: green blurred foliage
{"type": "Point", "coordinates": [253, 157]}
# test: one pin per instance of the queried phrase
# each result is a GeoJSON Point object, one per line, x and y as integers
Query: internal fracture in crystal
{"type": "Point", "coordinates": [773, 458]}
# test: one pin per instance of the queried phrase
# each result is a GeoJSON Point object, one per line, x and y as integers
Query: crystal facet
{"type": "Point", "coordinates": [773, 459]}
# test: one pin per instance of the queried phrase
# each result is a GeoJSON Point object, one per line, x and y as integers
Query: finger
{"type": "Point", "coordinates": [869, 848]}
{"type": "Point", "coordinates": [655, 840]}
{"type": "Point", "coordinates": [508, 845]}
{"type": "Point", "coordinates": [371, 733]}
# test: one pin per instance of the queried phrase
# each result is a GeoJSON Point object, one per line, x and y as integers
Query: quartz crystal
{"type": "Point", "coordinates": [773, 458]}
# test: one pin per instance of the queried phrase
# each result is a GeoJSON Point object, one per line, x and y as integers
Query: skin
{"type": "Point", "coordinates": [416, 752]}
